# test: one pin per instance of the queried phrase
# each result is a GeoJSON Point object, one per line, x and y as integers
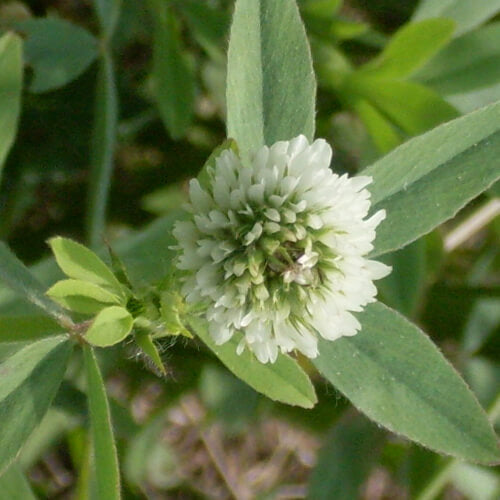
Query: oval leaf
{"type": "Point", "coordinates": [110, 326]}
{"type": "Point", "coordinates": [271, 88]}
{"type": "Point", "coordinates": [30, 379]}
{"type": "Point", "coordinates": [393, 373]}
{"type": "Point", "coordinates": [283, 381]}
{"type": "Point", "coordinates": [430, 178]}
{"type": "Point", "coordinates": [80, 263]}
{"type": "Point", "coordinates": [105, 457]}
{"type": "Point", "coordinates": [54, 63]}
{"type": "Point", "coordinates": [82, 296]}
{"type": "Point", "coordinates": [11, 83]}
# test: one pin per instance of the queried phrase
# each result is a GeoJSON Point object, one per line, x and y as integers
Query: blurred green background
{"type": "Point", "coordinates": [149, 85]}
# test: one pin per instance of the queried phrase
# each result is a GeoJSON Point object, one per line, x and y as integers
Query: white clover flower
{"type": "Point", "coordinates": [275, 250]}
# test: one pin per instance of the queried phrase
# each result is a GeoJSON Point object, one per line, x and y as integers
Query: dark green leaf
{"type": "Point", "coordinates": [30, 379]}
{"type": "Point", "coordinates": [18, 278]}
{"type": "Point", "coordinates": [428, 179]}
{"type": "Point", "coordinates": [24, 328]}
{"type": "Point", "coordinates": [11, 83]}
{"type": "Point", "coordinates": [54, 63]}
{"type": "Point", "coordinates": [468, 63]}
{"type": "Point", "coordinates": [270, 84]}
{"type": "Point", "coordinates": [105, 456]}
{"type": "Point", "coordinates": [394, 374]}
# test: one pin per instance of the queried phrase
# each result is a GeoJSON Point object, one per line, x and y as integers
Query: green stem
{"type": "Point", "coordinates": [103, 147]}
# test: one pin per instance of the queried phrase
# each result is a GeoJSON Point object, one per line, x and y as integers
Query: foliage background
{"type": "Point", "coordinates": [199, 432]}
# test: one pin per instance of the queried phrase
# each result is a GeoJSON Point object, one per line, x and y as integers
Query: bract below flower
{"type": "Point", "coordinates": [276, 249]}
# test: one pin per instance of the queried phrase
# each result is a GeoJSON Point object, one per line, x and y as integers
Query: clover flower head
{"type": "Point", "coordinates": [275, 249]}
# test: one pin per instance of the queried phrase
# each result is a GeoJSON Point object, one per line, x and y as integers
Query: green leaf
{"type": "Point", "coordinates": [345, 459]}
{"type": "Point", "coordinates": [27, 328]}
{"type": "Point", "coordinates": [468, 63]}
{"type": "Point", "coordinates": [320, 8]}
{"type": "Point", "coordinates": [80, 263]}
{"type": "Point", "coordinates": [56, 64]}
{"type": "Point", "coordinates": [394, 374]}
{"type": "Point", "coordinates": [109, 327]}
{"type": "Point", "coordinates": [102, 149]}
{"type": "Point", "coordinates": [82, 296]}
{"type": "Point", "coordinates": [270, 83]}
{"type": "Point", "coordinates": [411, 106]}
{"type": "Point", "coordinates": [382, 132]}
{"type": "Point", "coordinates": [410, 47]}
{"type": "Point", "coordinates": [403, 288]}
{"type": "Point", "coordinates": [14, 485]}
{"type": "Point", "coordinates": [282, 381]}
{"type": "Point", "coordinates": [105, 457]}
{"type": "Point", "coordinates": [172, 72]}
{"type": "Point", "coordinates": [208, 24]}
{"type": "Point", "coordinates": [466, 13]}
{"type": "Point", "coordinates": [18, 278]}
{"type": "Point", "coordinates": [147, 345]}
{"type": "Point", "coordinates": [30, 379]}
{"type": "Point", "coordinates": [430, 178]}
{"type": "Point", "coordinates": [11, 83]}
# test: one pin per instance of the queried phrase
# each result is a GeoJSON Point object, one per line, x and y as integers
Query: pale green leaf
{"type": "Point", "coordinates": [14, 485]}
{"type": "Point", "coordinates": [30, 379]}
{"type": "Point", "coordinates": [381, 131]}
{"type": "Point", "coordinates": [148, 347]}
{"type": "Point", "coordinates": [173, 77]}
{"type": "Point", "coordinates": [282, 381]}
{"type": "Point", "coordinates": [24, 328]}
{"type": "Point", "coordinates": [410, 47]}
{"type": "Point", "coordinates": [18, 278]}
{"type": "Point", "coordinates": [82, 296]}
{"type": "Point", "coordinates": [56, 64]}
{"type": "Point", "coordinates": [468, 63]}
{"type": "Point", "coordinates": [394, 374]}
{"type": "Point", "coordinates": [11, 83]}
{"type": "Point", "coordinates": [80, 263]}
{"type": "Point", "coordinates": [466, 13]}
{"type": "Point", "coordinates": [109, 327]}
{"type": "Point", "coordinates": [105, 456]}
{"type": "Point", "coordinates": [411, 106]}
{"type": "Point", "coordinates": [270, 83]}
{"type": "Point", "coordinates": [428, 179]}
